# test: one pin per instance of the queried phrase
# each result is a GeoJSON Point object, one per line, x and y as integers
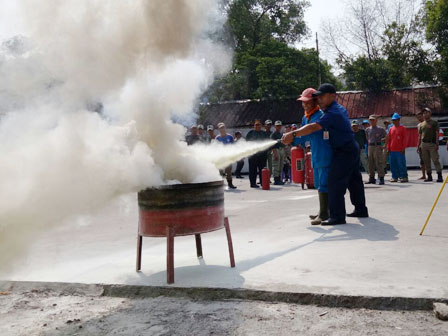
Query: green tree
{"type": "Point", "coordinates": [389, 43]}
{"type": "Point", "coordinates": [436, 20]}
{"type": "Point", "coordinates": [252, 22]}
{"type": "Point", "coordinates": [363, 73]}
{"type": "Point", "coordinates": [265, 63]}
{"type": "Point", "coordinates": [271, 70]}
{"type": "Point", "coordinates": [401, 61]}
{"type": "Point", "coordinates": [408, 62]}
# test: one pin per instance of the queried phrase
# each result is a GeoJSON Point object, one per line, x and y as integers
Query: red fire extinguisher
{"type": "Point", "coordinates": [265, 179]}
{"type": "Point", "coordinates": [309, 176]}
{"type": "Point", "coordinates": [298, 165]}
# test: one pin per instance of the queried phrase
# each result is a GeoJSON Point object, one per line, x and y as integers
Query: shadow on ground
{"type": "Point", "coordinates": [369, 228]}
{"type": "Point", "coordinates": [191, 275]}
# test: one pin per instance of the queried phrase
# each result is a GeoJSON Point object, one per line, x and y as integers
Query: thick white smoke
{"type": "Point", "coordinates": [136, 63]}
{"type": "Point", "coordinates": [87, 93]}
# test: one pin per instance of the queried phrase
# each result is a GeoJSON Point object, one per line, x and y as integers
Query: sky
{"type": "Point", "coordinates": [321, 10]}
{"type": "Point", "coordinates": [9, 18]}
{"type": "Point", "coordinates": [318, 12]}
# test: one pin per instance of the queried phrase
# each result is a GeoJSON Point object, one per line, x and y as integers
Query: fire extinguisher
{"type": "Point", "coordinates": [298, 165]}
{"type": "Point", "coordinates": [309, 175]}
{"type": "Point", "coordinates": [265, 179]}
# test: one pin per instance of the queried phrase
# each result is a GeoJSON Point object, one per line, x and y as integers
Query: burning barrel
{"type": "Point", "coordinates": [180, 210]}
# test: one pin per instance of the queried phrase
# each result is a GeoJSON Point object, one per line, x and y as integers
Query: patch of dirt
{"type": "Point", "coordinates": [51, 313]}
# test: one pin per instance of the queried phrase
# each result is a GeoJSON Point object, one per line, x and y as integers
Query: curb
{"type": "Point", "coordinates": [214, 294]}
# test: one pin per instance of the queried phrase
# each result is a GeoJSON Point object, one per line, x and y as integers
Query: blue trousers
{"type": "Point", "coordinates": [344, 174]}
{"type": "Point", "coordinates": [321, 179]}
{"type": "Point", "coordinates": [398, 165]}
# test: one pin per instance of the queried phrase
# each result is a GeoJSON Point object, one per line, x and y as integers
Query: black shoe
{"type": "Point", "coordinates": [428, 178]}
{"type": "Point", "coordinates": [359, 214]}
{"type": "Point", "coordinates": [381, 181]}
{"type": "Point", "coordinates": [239, 177]}
{"type": "Point", "coordinates": [371, 181]}
{"type": "Point", "coordinates": [254, 186]}
{"type": "Point", "coordinates": [278, 182]}
{"type": "Point", "coordinates": [231, 186]}
{"type": "Point", "coordinates": [332, 221]}
{"type": "Point", "coordinates": [439, 177]}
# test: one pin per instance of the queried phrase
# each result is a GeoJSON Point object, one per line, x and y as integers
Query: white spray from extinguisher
{"type": "Point", "coordinates": [224, 155]}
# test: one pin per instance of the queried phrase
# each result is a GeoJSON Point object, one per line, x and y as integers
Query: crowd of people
{"type": "Point", "coordinates": [340, 150]}
{"type": "Point", "coordinates": [382, 147]}
{"type": "Point", "coordinates": [277, 159]}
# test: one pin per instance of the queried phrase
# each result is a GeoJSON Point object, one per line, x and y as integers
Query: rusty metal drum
{"type": "Point", "coordinates": [186, 208]}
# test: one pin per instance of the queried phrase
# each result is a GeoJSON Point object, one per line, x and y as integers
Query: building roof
{"type": "Point", "coordinates": [359, 104]}
{"type": "Point", "coordinates": [406, 102]}
{"type": "Point", "coordinates": [243, 113]}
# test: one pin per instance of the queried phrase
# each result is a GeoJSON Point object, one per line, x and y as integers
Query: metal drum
{"type": "Point", "coordinates": [180, 210]}
{"type": "Point", "coordinates": [187, 208]}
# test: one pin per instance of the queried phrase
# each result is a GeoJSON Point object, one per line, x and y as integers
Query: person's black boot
{"type": "Point", "coordinates": [332, 221]}
{"type": "Point", "coordinates": [439, 177]}
{"type": "Point", "coordinates": [428, 177]}
{"type": "Point", "coordinates": [381, 181]}
{"type": "Point", "coordinates": [371, 181]}
{"type": "Point", "coordinates": [277, 181]}
{"type": "Point", "coordinates": [359, 213]}
{"type": "Point", "coordinates": [230, 184]}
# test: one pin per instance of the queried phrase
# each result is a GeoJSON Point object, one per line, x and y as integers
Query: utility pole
{"type": "Point", "coordinates": [319, 77]}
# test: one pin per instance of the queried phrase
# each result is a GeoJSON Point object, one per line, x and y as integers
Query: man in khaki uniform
{"type": "Point", "coordinates": [420, 119]}
{"type": "Point", "coordinates": [278, 154]}
{"type": "Point", "coordinates": [428, 145]}
{"type": "Point", "coordinates": [375, 138]}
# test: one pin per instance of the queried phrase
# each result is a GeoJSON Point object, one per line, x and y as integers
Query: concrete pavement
{"type": "Point", "coordinates": [276, 249]}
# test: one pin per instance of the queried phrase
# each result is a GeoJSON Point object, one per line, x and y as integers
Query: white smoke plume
{"type": "Point", "coordinates": [223, 155]}
{"type": "Point", "coordinates": [136, 63]}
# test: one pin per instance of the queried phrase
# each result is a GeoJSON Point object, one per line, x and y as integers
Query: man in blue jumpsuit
{"type": "Point", "coordinates": [322, 153]}
{"type": "Point", "coordinates": [344, 170]}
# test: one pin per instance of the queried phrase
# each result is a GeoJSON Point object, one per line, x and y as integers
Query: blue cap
{"type": "Point", "coordinates": [323, 89]}
{"type": "Point", "coordinates": [365, 121]}
{"type": "Point", "coordinates": [396, 116]}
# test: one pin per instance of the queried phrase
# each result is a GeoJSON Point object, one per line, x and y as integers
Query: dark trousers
{"type": "Point", "coordinates": [345, 174]}
{"type": "Point", "coordinates": [256, 164]}
{"type": "Point", "coordinates": [239, 166]}
{"type": "Point", "coordinates": [287, 170]}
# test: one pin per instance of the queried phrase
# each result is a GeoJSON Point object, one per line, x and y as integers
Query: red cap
{"type": "Point", "coordinates": [307, 94]}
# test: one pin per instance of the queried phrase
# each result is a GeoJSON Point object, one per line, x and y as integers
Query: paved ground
{"type": "Point", "coordinates": [275, 247]}
{"type": "Point", "coordinates": [37, 312]}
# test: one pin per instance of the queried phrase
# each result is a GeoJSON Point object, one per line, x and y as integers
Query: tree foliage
{"type": "Point", "coordinates": [256, 21]}
{"type": "Point", "coordinates": [265, 63]}
{"type": "Point", "coordinates": [271, 70]}
{"type": "Point", "coordinates": [436, 19]}
{"type": "Point", "coordinates": [391, 47]}
{"type": "Point", "coordinates": [363, 73]}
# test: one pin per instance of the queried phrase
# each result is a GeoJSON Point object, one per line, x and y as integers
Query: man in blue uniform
{"type": "Point", "coordinates": [344, 168]}
{"type": "Point", "coordinates": [322, 153]}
